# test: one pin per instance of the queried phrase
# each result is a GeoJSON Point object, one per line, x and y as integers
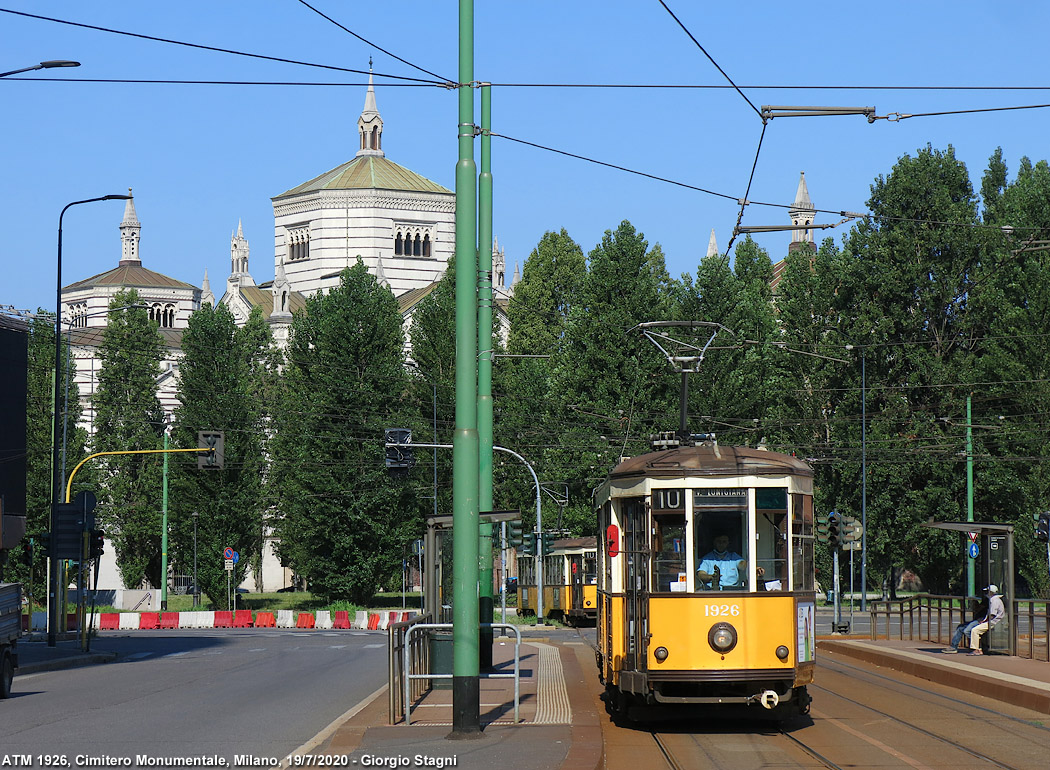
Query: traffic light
{"type": "Point", "coordinates": [528, 544]}
{"type": "Point", "coordinates": [42, 544]}
{"type": "Point", "coordinates": [852, 530]}
{"type": "Point", "coordinates": [834, 537]}
{"type": "Point", "coordinates": [514, 536]}
{"type": "Point", "coordinates": [96, 543]}
{"type": "Point", "coordinates": [822, 531]}
{"type": "Point", "coordinates": [212, 446]}
{"type": "Point", "coordinates": [398, 455]}
{"type": "Point", "coordinates": [547, 539]}
{"type": "Point", "coordinates": [1042, 527]}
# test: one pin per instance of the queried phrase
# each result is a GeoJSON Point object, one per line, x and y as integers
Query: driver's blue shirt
{"type": "Point", "coordinates": [728, 564]}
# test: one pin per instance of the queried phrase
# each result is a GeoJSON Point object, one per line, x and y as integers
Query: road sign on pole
{"type": "Point", "coordinates": [227, 553]}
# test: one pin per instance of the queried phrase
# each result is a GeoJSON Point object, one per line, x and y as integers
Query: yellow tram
{"type": "Point", "coordinates": [570, 581]}
{"type": "Point", "coordinates": [706, 579]}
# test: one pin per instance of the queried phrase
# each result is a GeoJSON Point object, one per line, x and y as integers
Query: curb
{"type": "Point", "coordinates": [957, 675]}
{"type": "Point", "coordinates": [73, 661]}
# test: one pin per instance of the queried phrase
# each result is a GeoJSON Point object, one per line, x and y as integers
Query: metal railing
{"type": "Point", "coordinates": [933, 618]}
{"type": "Point", "coordinates": [409, 675]}
{"type": "Point", "coordinates": [405, 656]}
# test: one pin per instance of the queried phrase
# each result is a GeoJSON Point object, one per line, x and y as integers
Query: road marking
{"type": "Point", "coordinates": [139, 655]}
{"type": "Point", "coordinates": [318, 739]}
{"type": "Point", "coordinates": [874, 742]}
{"type": "Point", "coordinates": [257, 649]}
{"type": "Point", "coordinates": [176, 654]}
{"type": "Point", "coordinates": [337, 647]}
{"type": "Point", "coordinates": [373, 647]}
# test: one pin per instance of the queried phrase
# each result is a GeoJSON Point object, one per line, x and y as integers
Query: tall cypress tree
{"type": "Point", "coordinates": [129, 417]}
{"type": "Point", "coordinates": [217, 391]}
{"type": "Point", "coordinates": [343, 519]}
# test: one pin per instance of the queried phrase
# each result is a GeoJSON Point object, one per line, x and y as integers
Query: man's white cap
{"type": "Point", "coordinates": [993, 588]}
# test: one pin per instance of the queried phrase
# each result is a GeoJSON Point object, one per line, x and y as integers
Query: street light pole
{"type": "Point", "coordinates": [430, 557]}
{"type": "Point", "coordinates": [57, 471]}
{"type": "Point", "coordinates": [196, 590]}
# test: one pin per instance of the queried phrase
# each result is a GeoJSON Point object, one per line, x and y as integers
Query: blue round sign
{"type": "Point", "coordinates": [236, 557]}
{"type": "Point", "coordinates": [973, 550]}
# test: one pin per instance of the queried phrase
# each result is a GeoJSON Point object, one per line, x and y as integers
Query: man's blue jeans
{"type": "Point", "coordinates": [961, 631]}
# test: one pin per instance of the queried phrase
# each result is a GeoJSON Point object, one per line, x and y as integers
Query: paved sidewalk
{"type": "Point", "coordinates": [1017, 681]}
{"type": "Point", "coordinates": [560, 725]}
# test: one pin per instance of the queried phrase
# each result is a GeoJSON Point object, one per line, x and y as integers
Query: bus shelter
{"type": "Point", "coordinates": [991, 546]}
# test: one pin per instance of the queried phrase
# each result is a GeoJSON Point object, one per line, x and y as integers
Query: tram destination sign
{"type": "Point", "coordinates": [720, 498]}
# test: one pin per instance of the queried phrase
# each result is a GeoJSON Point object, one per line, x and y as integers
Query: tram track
{"type": "Point", "coordinates": [870, 676]}
{"type": "Point", "coordinates": [923, 731]}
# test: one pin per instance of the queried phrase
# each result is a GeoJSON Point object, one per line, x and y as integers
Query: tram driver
{"type": "Point", "coordinates": [723, 565]}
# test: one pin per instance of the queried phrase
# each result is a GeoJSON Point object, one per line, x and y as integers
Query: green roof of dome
{"type": "Point", "coordinates": [368, 172]}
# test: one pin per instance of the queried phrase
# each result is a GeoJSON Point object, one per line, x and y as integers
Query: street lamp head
{"type": "Point", "coordinates": [52, 63]}
{"type": "Point", "coordinates": [116, 197]}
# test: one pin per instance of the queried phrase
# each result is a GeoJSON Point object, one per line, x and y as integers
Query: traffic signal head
{"type": "Point", "coordinates": [834, 535]}
{"type": "Point", "coordinates": [547, 539]}
{"type": "Point", "coordinates": [212, 446]}
{"type": "Point", "coordinates": [822, 531]}
{"type": "Point", "coordinates": [399, 456]}
{"type": "Point", "coordinates": [514, 533]}
{"type": "Point", "coordinates": [1042, 527]}
{"type": "Point", "coordinates": [528, 545]}
{"type": "Point", "coordinates": [96, 543]}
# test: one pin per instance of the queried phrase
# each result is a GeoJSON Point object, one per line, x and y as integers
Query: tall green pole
{"type": "Point", "coordinates": [485, 429]}
{"type": "Point", "coordinates": [164, 531]}
{"type": "Point", "coordinates": [466, 696]}
{"type": "Point", "coordinates": [971, 580]}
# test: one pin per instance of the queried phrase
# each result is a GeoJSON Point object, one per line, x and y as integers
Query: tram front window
{"type": "Point", "coordinates": [720, 529]}
{"type": "Point", "coordinates": [669, 571]}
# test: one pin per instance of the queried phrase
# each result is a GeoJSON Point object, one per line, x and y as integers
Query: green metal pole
{"type": "Point", "coordinates": [466, 696]}
{"type": "Point", "coordinates": [485, 428]}
{"type": "Point", "coordinates": [164, 531]}
{"type": "Point", "coordinates": [971, 580]}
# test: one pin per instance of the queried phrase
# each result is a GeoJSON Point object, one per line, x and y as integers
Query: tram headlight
{"type": "Point", "coordinates": [783, 652]}
{"type": "Point", "coordinates": [722, 637]}
{"type": "Point", "coordinates": [660, 653]}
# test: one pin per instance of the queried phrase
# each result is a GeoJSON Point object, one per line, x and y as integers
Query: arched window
{"type": "Point", "coordinates": [169, 316]}
{"type": "Point", "coordinates": [375, 137]}
{"type": "Point", "coordinates": [417, 247]}
{"type": "Point", "coordinates": [398, 248]}
{"type": "Point", "coordinates": [426, 245]}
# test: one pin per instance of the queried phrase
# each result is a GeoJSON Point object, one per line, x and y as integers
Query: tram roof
{"type": "Point", "coordinates": [711, 460]}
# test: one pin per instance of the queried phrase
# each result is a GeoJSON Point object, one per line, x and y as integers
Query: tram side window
{"type": "Point", "coordinates": [590, 568]}
{"type": "Point", "coordinates": [669, 553]}
{"type": "Point", "coordinates": [526, 571]}
{"type": "Point", "coordinates": [554, 570]}
{"type": "Point", "coordinates": [721, 539]}
{"type": "Point", "coordinates": [771, 508]}
{"type": "Point", "coordinates": [802, 542]}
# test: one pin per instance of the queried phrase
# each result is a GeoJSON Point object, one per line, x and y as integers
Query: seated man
{"type": "Point", "coordinates": [976, 628]}
{"type": "Point", "coordinates": [728, 565]}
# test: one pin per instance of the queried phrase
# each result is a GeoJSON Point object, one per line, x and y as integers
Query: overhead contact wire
{"type": "Point", "coordinates": [710, 59]}
{"type": "Point", "coordinates": [369, 42]}
{"type": "Point", "coordinates": [202, 47]}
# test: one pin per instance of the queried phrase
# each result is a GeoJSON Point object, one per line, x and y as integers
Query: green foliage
{"type": "Point", "coordinates": [129, 417]}
{"type": "Point", "coordinates": [343, 519]}
{"type": "Point", "coordinates": [222, 376]}
{"type": "Point", "coordinates": [39, 426]}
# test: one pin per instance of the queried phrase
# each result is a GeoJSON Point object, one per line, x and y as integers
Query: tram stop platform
{"type": "Point", "coordinates": [1020, 682]}
{"type": "Point", "coordinates": [559, 723]}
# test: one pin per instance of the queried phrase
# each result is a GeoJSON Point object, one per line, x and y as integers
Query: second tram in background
{"type": "Point", "coordinates": [706, 579]}
{"type": "Point", "coordinates": [570, 577]}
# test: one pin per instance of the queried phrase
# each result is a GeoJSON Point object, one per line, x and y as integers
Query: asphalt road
{"type": "Point", "coordinates": [192, 693]}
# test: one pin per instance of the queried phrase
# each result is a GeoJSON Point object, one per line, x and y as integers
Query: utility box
{"type": "Point", "coordinates": [441, 659]}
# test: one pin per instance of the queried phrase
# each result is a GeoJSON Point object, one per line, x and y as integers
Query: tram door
{"type": "Point", "coordinates": [636, 570]}
{"type": "Point", "coordinates": [576, 580]}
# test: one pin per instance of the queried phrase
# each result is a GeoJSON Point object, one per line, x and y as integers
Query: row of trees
{"type": "Point", "coordinates": [942, 299]}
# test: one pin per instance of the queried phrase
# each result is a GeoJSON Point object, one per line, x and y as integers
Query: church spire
{"type": "Point", "coordinates": [281, 290]}
{"type": "Point", "coordinates": [712, 245]}
{"type": "Point", "coordinates": [370, 125]}
{"type": "Point", "coordinates": [238, 252]}
{"type": "Point", "coordinates": [130, 231]}
{"type": "Point", "coordinates": [801, 213]}
{"type": "Point", "coordinates": [207, 298]}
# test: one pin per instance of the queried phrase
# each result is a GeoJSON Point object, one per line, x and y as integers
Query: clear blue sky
{"type": "Point", "coordinates": [201, 157]}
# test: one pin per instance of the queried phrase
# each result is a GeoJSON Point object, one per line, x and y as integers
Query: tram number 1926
{"type": "Point", "coordinates": [721, 610]}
